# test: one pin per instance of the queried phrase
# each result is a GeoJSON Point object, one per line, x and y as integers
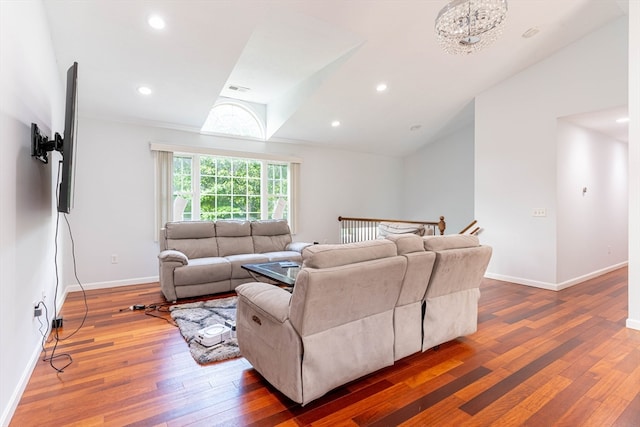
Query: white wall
{"type": "Point", "coordinates": [31, 90]}
{"type": "Point", "coordinates": [438, 180]}
{"type": "Point", "coordinates": [114, 200]}
{"type": "Point", "coordinates": [515, 165]}
{"type": "Point", "coordinates": [633, 320]}
{"type": "Point", "coordinates": [592, 226]}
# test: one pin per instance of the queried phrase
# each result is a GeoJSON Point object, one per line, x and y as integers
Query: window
{"type": "Point", "coordinates": [233, 119]}
{"type": "Point", "coordinates": [217, 187]}
{"type": "Point", "coordinates": [218, 184]}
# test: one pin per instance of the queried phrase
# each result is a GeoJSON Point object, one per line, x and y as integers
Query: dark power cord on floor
{"type": "Point", "coordinates": [149, 310]}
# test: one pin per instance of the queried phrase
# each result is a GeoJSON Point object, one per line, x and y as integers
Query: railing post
{"type": "Point", "coordinates": [442, 225]}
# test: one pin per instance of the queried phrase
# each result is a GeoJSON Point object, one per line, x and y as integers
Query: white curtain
{"type": "Point", "coordinates": [163, 189]}
{"type": "Point", "coordinates": [294, 197]}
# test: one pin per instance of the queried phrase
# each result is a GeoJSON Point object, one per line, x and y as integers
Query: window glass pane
{"type": "Point", "coordinates": [255, 169]}
{"type": "Point", "coordinates": [223, 207]}
{"type": "Point", "coordinates": [277, 187]}
{"type": "Point", "coordinates": [239, 168]}
{"type": "Point", "coordinates": [253, 187]}
{"type": "Point", "coordinates": [233, 119]}
{"type": "Point", "coordinates": [207, 166]}
{"type": "Point", "coordinates": [182, 174]}
{"type": "Point", "coordinates": [224, 167]}
{"type": "Point", "coordinates": [254, 204]}
{"type": "Point", "coordinates": [223, 186]}
{"type": "Point", "coordinates": [207, 183]}
{"type": "Point", "coordinates": [240, 205]}
{"type": "Point", "coordinates": [207, 206]}
{"type": "Point", "coordinates": [239, 186]}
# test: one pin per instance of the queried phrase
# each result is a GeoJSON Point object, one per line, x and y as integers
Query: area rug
{"type": "Point", "coordinates": [192, 317]}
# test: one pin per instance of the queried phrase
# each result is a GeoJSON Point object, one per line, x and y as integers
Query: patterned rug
{"type": "Point", "coordinates": [192, 317]}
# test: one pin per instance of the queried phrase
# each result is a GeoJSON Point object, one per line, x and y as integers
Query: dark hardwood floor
{"type": "Point", "coordinates": [539, 358]}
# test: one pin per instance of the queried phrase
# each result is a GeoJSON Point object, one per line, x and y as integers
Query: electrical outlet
{"type": "Point", "coordinates": [37, 310]}
{"type": "Point", "coordinates": [114, 258]}
{"type": "Point", "coordinates": [539, 212]}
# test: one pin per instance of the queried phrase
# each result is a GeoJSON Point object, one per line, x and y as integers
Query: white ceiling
{"type": "Point", "coordinates": [311, 62]}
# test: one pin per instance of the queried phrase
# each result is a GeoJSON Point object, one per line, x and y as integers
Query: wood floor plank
{"type": "Point", "coordinates": [608, 412]}
{"type": "Point", "coordinates": [630, 417]}
{"type": "Point", "coordinates": [539, 358]}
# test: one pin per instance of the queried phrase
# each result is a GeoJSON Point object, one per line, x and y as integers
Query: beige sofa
{"type": "Point", "coordinates": [356, 308]}
{"type": "Point", "coordinates": [205, 257]}
{"type": "Point", "coordinates": [451, 300]}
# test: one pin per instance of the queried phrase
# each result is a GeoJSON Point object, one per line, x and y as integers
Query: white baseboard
{"type": "Point", "coordinates": [556, 286]}
{"type": "Point", "coordinates": [521, 281]}
{"type": "Point", "coordinates": [633, 324]}
{"type": "Point", "coordinates": [575, 281]}
{"type": "Point", "coordinates": [111, 284]}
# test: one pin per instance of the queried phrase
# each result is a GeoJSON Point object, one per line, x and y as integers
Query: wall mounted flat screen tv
{"type": "Point", "coordinates": [67, 186]}
{"type": "Point", "coordinates": [41, 145]}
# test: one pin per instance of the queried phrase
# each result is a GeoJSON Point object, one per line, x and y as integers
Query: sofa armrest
{"type": "Point", "coordinates": [297, 246]}
{"type": "Point", "coordinates": [266, 338]}
{"type": "Point", "coordinates": [268, 299]}
{"type": "Point", "coordinates": [172, 255]}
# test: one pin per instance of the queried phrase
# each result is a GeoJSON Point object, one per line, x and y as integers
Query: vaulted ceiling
{"type": "Point", "coordinates": [309, 63]}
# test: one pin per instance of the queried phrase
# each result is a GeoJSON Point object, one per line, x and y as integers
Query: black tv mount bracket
{"type": "Point", "coordinates": [41, 144]}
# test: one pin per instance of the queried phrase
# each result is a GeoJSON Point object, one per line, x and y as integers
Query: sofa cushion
{"type": "Point", "coordinates": [237, 272]}
{"type": "Point", "coordinates": [325, 256]}
{"type": "Point", "coordinates": [450, 241]}
{"type": "Point", "coordinates": [195, 239]}
{"type": "Point", "coordinates": [232, 228]}
{"type": "Point", "coordinates": [270, 236]}
{"type": "Point", "coordinates": [235, 245]}
{"type": "Point", "coordinates": [202, 270]}
{"type": "Point", "coordinates": [262, 244]}
{"type": "Point", "coordinates": [390, 228]}
{"type": "Point", "coordinates": [407, 243]}
{"type": "Point", "coordinates": [190, 229]}
{"type": "Point", "coordinates": [271, 227]}
{"type": "Point", "coordinates": [234, 237]}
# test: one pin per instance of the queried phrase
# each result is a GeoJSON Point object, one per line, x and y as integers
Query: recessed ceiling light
{"type": "Point", "coordinates": [381, 87]}
{"type": "Point", "coordinates": [144, 90]}
{"type": "Point", "coordinates": [622, 120]}
{"type": "Point", "coordinates": [335, 123]}
{"type": "Point", "coordinates": [156, 22]}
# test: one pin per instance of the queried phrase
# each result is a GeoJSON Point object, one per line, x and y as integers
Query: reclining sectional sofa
{"type": "Point", "coordinates": [205, 257]}
{"type": "Point", "coordinates": [359, 307]}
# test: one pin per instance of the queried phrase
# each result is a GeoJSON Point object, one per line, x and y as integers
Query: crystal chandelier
{"type": "Point", "coordinates": [466, 26]}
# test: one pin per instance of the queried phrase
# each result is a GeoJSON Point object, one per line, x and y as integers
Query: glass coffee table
{"type": "Point", "coordinates": [281, 272]}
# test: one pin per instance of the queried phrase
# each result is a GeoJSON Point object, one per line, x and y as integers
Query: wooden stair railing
{"type": "Point", "coordinates": [474, 231]}
{"type": "Point", "coordinates": [360, 229]}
